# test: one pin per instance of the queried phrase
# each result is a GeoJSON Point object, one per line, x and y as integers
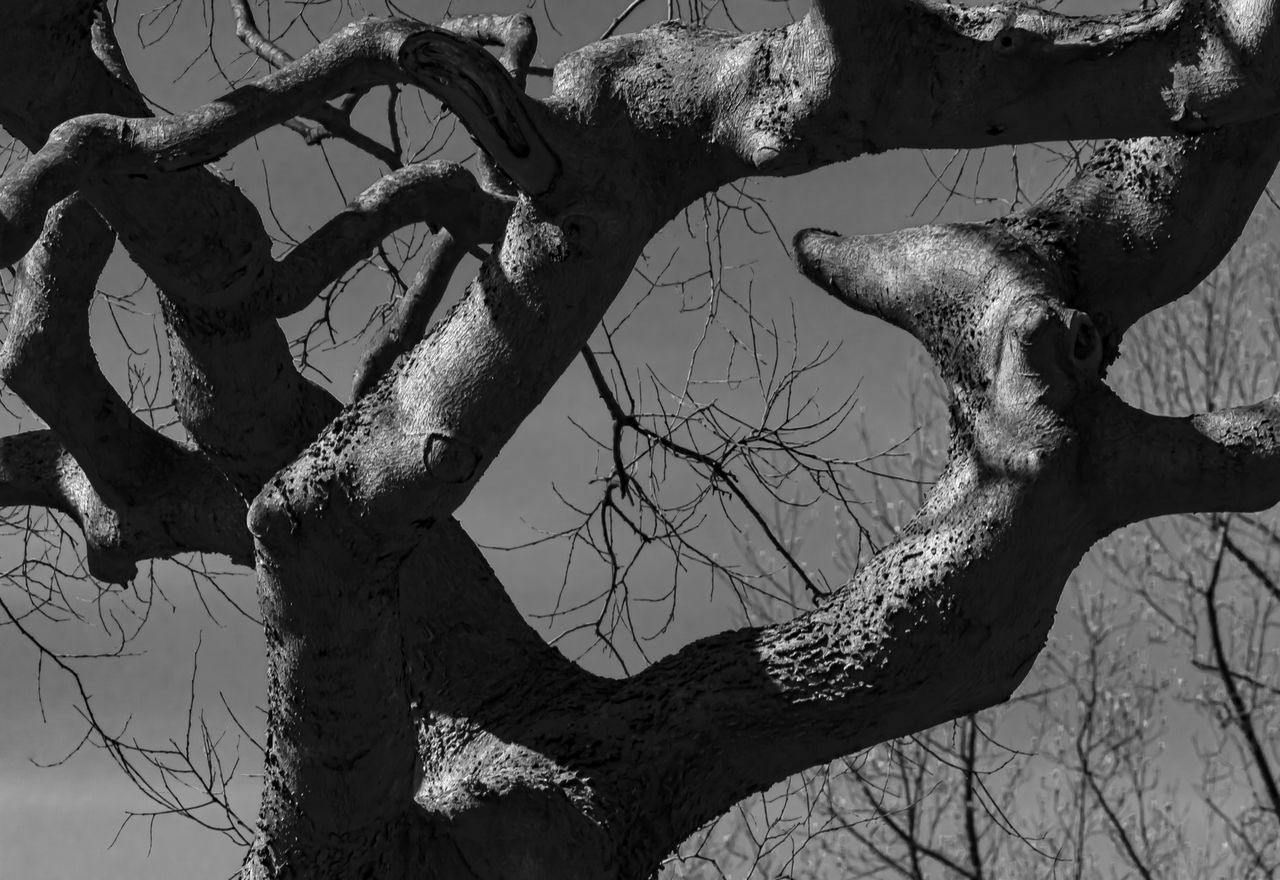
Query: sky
{"type": "Point", "coordinates": [61, 822]}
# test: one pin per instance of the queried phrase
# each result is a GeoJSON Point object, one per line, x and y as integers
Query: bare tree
{"type": "Point", "coordinates": [415, 721]}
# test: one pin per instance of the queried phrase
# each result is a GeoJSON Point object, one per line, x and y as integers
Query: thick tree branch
{"type": "Point", "coordinates": [514, 33]}
{"type": "Point", "coordinates": [225, 380]}
{"type": "Point", "coordinates": [495, 109]}
{"type": "Point", "coordinates": [48, 360]}
{"type": "Point", "coordinates": [231, 363]}
{"type": "Point", "coordinates": [841, 84]}
{"type": "Point", "coordinates": [1017, 72]}
{"type": "Point", "coordinates": [1138, 465]}
{"type": "Point", "coordinates": [927, 281]}
{"type": "Point", "coordinates": [228, 372]}
{"type": "Point", "coordinates": [1121, 227]}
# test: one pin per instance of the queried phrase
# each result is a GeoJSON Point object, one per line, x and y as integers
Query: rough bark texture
{"type": "Point", "coordinates": [416, 724]}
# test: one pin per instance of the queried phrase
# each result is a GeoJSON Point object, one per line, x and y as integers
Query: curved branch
{"type": "Point", "coordinates": [1113, 244]}
{"type": "Point", "coordinates": [1036, 438]}
{"type": "Point", "coordinates": [943, 623]}
{"type": "Point", "coordinates": [514, 33]}
{"type": "Point", "coordinates": [228, 372]}
{"type": "Point", "coordinates": [441, 194]}
{"type": "Point", "coordinates": [247, 32]}
{"type": "Point", "coordinates": [214, 276]}
{"type": "Point", "coordinates": [48, 360]}
{"type": "Point", "coordinates": [923, 280]}
{"type": "Point", "coordinates": [135, 493]}
{"type": "Point", "coordinates": [456, 70]}
{"type": "Point", "coordinates": [101, 144]}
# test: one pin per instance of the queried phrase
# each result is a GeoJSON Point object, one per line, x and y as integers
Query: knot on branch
{"type": "Point", "coordinates": [1016, 41]}
{"type": "Point", "coordinates": [514, 34]}
{"type": "Point", "coordinates": [450, 460]}
{"type": "Point", "coordinates": [476, 87]}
